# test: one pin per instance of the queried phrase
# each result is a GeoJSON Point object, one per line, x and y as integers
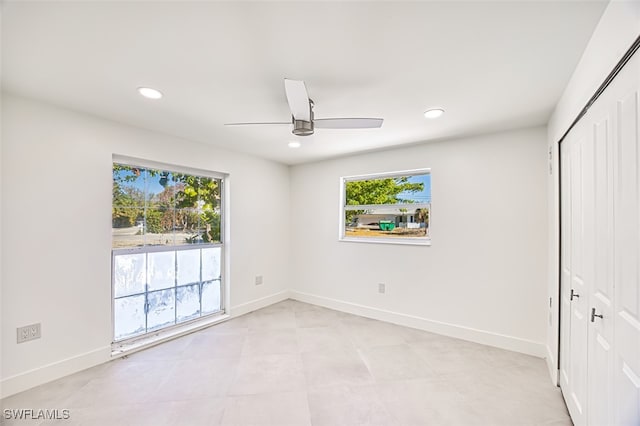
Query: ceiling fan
{"type": "Point", "coordinates": [302, 114]}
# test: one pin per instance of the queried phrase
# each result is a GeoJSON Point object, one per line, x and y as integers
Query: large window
{"type": "Point", "coordinates": [167, 248]}
{"type": "Point", "coordinates": [387, 207]}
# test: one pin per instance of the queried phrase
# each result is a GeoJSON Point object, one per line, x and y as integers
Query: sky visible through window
{"type": "Point", "coordinates": [153, 183]}
{"type": "Point", "coordinates": [423, 196]}
{"type": "Point", "coordinates": [154, 187]}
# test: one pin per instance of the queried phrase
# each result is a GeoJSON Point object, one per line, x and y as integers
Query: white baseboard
{"type": "Point", "coordinates": [452, 330]}
{"type": "Point", "coordinates": [551, 365]}
{"type": "Point", "coordinates": [41, 375]}
{"type": "Point", "coordinates": [47, 373]}
{"type": "Point", "coordinates": [245, 308]}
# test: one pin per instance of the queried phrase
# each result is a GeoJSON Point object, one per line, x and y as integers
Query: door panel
{"type": "Point", "coordinates": [601, 332]}
{"type": "Point", "coordinates": [580, 192]}
{"type": "Point", "coordinates": [627, 254]}
{"type": "Point", "coordinates": [573, 371]}
{"type": "Point", "coordinates": [565, 278]}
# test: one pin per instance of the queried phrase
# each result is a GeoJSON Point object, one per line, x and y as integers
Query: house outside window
{"type": "Point", "coordinates": [391, 207]}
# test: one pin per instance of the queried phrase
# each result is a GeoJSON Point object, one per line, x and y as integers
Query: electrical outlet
{"type": "Point", "coordinates": [28, 332]}
{"type": "Point", "coordinates": [258, 279]}
{"type": "Point", "coordinates": [382, 287]}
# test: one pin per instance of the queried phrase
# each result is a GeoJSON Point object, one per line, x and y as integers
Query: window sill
{"type": "Point", "coordinates": [120, 349]}
{"type": "Point", "coordinates": [395, 241]}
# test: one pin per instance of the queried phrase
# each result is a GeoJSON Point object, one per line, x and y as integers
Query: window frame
{"type": "Point", "coordinates": [120, 346]}
{"type": "Point", "coordinates": [418, 241]}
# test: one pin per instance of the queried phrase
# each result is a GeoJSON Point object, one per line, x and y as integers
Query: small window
{"type": "Point", "coordinates": [387, 207]}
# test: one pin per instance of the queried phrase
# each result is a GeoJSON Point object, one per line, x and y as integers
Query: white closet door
{"type": "Point", "coordinates": [565, 267]}
{"type": "Point", "coordinates": [575, 272]}
{"type": "Point", "coordinates": [627, 245]}
{"type": "Point", "coordinates": [600, 245]}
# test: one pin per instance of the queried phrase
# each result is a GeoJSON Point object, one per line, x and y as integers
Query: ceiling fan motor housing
{"type": "Point", "coordinates": [303, 127]}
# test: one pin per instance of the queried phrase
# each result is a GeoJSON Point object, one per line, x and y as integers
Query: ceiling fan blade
{"type": "Point", "coordinates": [298, 99]}
{"type": "Point", "coordinates": [347, 123]}
{"type": "Point", "coordinates": [251, 124]}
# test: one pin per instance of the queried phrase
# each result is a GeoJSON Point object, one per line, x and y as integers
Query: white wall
{"type": "Point", "coordinates": [56, 231]}
{"type": "Point", "coordinates": [615, 33]}
{"type": "Point", "coordinates": [483, 278]}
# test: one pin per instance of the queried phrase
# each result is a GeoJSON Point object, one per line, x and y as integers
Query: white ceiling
{"type": "Point", "coordinates": [491, 65]}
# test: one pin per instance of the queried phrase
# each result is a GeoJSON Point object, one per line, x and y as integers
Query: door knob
{"type": "Point", "coordinates": [573, 294]}
{"type": "Point", "coordinates": [594, 315]}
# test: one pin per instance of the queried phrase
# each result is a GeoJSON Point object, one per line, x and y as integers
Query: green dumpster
{"type": "Point", "coordinates": [386, 225]}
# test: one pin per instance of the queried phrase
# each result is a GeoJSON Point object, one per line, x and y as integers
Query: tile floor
{"type": "Point", "coordinates": [298, 364]}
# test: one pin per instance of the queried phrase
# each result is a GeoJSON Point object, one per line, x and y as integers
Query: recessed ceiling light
{"type": "Point", "coordinates": [433, 113]}
{"type": "Point", "coordinates": [294, 144]}
{"type": "Point", "coordinates": [149, 93]}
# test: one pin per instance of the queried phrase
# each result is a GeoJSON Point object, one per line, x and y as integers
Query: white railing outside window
{"type": "Point", "coordinates": [154, 289]}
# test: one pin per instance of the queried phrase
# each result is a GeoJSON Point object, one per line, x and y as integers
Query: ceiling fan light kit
{"type": "Point", "coordinates": [302, 117]}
